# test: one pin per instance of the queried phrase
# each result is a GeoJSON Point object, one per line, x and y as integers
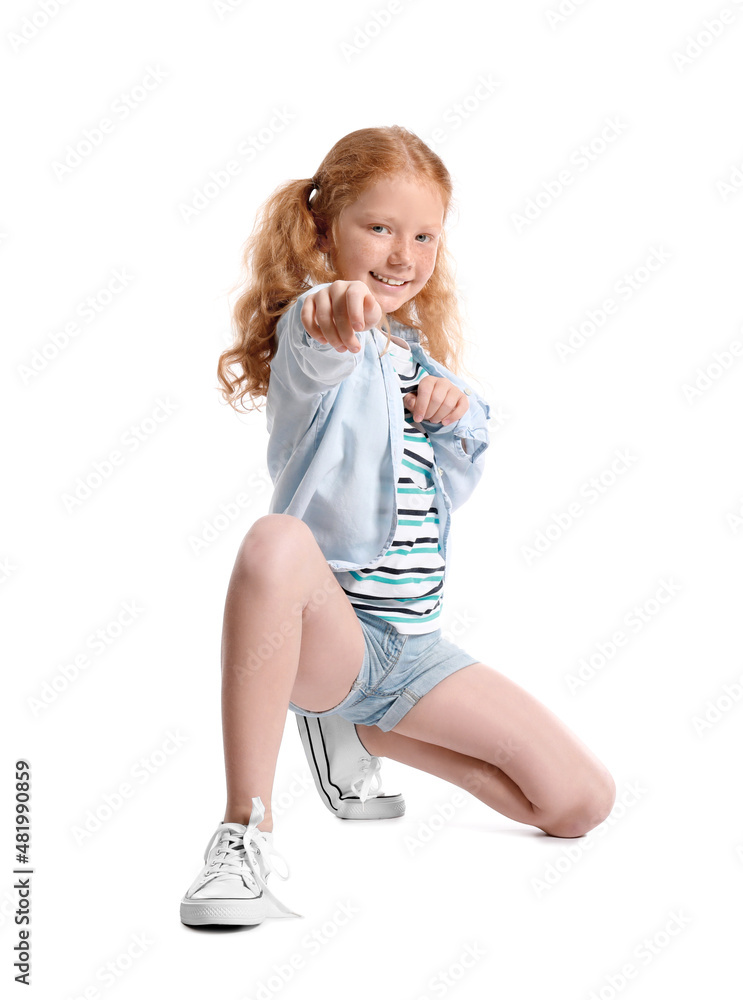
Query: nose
{"type": "Point", "coordinates": [401, 255]}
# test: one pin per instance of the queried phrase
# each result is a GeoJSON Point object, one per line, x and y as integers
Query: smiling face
{"type": "Point", "coordinates": [391, 231]}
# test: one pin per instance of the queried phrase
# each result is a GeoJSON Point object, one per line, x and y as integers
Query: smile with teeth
{"type": "Point", "coordinates": [387, 281]}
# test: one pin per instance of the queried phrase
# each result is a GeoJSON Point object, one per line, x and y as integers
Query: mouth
{"type": "Point", "coordinates": [392, 282]}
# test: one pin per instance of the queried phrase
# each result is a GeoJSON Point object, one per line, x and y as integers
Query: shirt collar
{"type": "Point", "coordinates": [407, 333]}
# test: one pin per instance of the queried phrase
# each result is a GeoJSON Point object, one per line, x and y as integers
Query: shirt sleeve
{"type": "Point", "coordinates": [302, 363]}
{"type": "Point", "coordinates": [460, 447]}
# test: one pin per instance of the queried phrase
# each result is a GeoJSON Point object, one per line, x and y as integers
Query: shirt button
{"type": "Point", "coordinates": [467, 391]}
{"type": "Point", "coordinates": [439, 470]}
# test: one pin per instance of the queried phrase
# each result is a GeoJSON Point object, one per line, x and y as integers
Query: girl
{"type": "Point", "coordinates": [334, 602]}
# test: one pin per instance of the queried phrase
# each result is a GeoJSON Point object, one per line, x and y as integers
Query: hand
{"type": "Point", "coordinates": [332, 314]}
{"type": "Point", "coordinates": [438, 400]}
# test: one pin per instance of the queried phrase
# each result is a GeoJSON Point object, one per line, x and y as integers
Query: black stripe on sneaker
{"type": "Point", "coordinates": [341, 796]}
{"type": "Point", "coordinates": [327, 762]}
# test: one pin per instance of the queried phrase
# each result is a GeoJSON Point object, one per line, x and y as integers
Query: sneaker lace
{"type": "Point", "coordinates": [247, 854]}
{"type": "Point", "coordinates": [368, 773]}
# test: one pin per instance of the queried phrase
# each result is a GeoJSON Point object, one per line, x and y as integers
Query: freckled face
{"type": "Point", "coordinates": [392, 231]}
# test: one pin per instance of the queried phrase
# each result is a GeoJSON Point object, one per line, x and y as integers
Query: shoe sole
{"type": "Point", "coordinates": [197, 913]}
{"type": "Point", "coordinates": [342, 806]}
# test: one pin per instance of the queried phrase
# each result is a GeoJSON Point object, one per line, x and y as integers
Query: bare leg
{"type": "Point", "coordinates": [290, 634]}
{"type": "Point", "coordinates": [480, 730]}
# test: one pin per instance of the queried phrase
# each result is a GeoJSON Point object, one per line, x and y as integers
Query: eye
{"type": "Point", "coordinates": [426, 236]}
{"type": "Point", "coordinates": [378, 226]}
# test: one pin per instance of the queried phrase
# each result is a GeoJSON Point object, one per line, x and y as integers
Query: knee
{"type": "Point", "coordinates": [271, 541]}
{"type": "Point", "coordinates": [589, 810]}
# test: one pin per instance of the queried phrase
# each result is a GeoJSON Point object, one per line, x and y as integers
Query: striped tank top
{"type": "Point", "coordinates": [406, 587]}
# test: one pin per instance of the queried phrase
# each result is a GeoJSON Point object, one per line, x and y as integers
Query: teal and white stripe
{"type": "Point", "coordinates": [406, 588]}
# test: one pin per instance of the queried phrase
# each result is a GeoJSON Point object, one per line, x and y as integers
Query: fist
{"type": "Point", "coordinates": [438, 400]}
{"type": "Point", "coordinates": [336, 313]}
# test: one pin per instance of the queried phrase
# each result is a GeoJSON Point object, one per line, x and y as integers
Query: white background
{"type": "Point", "coordinates": [674, 842]}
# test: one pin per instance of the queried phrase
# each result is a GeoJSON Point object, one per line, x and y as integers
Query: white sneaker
{"type": "Point", "coordinates": [346, 775]}
{"type": "Point", "coordinates": [231, 887]}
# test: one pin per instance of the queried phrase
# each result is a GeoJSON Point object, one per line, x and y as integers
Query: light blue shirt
{"type": "Point", "coordinates": [335, 420]}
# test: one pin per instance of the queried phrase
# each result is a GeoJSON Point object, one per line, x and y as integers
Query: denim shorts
{"type": "Point", "coordinates": [397, 671]}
